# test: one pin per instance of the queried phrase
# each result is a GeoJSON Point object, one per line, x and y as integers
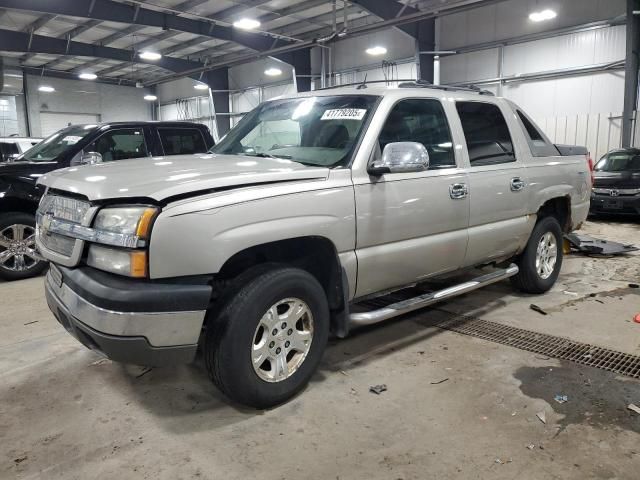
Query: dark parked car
{"type": "Point", "coordinates": [616, 188]}
{"type": "Point", "coordinates": [76, 145]}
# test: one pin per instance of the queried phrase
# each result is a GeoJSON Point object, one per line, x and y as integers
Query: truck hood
{"type": "Point", "coordinates": [160, 178]}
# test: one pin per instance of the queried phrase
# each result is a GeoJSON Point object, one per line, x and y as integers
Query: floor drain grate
{"type": "Point", "coordinates": [541, 343]}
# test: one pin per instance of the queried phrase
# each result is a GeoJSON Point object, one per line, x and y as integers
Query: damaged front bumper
{"type": "Point", "coordinates": [131, 321]}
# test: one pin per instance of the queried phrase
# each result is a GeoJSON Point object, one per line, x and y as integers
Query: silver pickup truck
{"type": "Point", "coordinates": [302, 213]}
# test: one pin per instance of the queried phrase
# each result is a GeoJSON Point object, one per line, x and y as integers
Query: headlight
{"type": "Point", "coordinates": [132, 263]}
{"type": "Point", "coordinates": [125, 220]}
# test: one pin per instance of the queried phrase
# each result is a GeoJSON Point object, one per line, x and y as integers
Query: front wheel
{"type": "Point", "coordinates": [541, 260]}
{"type": "Point", "coordinates": [18, 257]}
{"type": "Point", "coordinates": [268, 339]}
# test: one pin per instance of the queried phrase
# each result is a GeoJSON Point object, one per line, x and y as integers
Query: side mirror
{"type": "Point", "coordinates": [401, 157]}
{"type": "Point", "coordinates": [90, 158]}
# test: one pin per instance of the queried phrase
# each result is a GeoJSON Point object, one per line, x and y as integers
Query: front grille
{"type": "Point", "coordinates": [62, 208]}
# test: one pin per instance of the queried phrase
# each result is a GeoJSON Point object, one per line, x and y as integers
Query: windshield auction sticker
{"type": "Point", "coordinates": [344, 114]}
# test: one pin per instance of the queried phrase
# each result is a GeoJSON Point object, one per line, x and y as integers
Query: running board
{"type": "Point", "coordinates": [405, 306]}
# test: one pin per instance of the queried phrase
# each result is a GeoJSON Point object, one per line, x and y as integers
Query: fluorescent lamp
{"type": "Point", "coordinates": [542, 15]}
{"type": "Point", "coordinates": [87, 76]}
{"type": "Point", "coordinates": [273, 72]}
{"type": "Point", "coordinates": [46, 89]}
{"type": "Point", "coordinates": [150, 98]}
{"type": "Point", "coordinates": [150, 55]}
{"type": "Point", "coordinates": [246, 24]}
{"type": "Point", "coordinates": [378, 50]}
{"type": "Point", "coordinates": [201, 86]}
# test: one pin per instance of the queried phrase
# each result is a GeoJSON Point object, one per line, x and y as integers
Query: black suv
{"type": "Point", "coordinates": [77, 145]}
{"type": "Point", "coordinates": [616, 187]}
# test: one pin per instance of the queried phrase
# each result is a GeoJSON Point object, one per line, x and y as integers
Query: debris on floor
{"type": "Point", "coordinates": [440, 381]}
{"type": "Point", "coordinates": [637, 318]}
{"type": "Point", "coordinates": [502, 462]}
{"type": "Point", "coordinates": [102, 361]}
{"type": "Point", "coordinates": [29, 323]}
{"type": "Point", "coordinates": [531, 446]}
{"type": "Point", "coordinates": [573, 294]}
{"type": "Point", "coordinates": [594, 246]}
{"type": "Point", "coordinates": [634, 408]}
{"type": "Point", "coordinates": [542, 416]}
{"type": "Point", "coordinates": [19, 460]}
{"type": "Point", "coordinates": [378, 389]}
{"type": "Point", "coordinates": [538, 309]}
{"type": "Point", "coordinates": [561, 398]}
{"type": "Point", "coordinates": [634, 285]}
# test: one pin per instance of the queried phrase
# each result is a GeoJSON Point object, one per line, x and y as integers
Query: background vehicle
{"type": "Point", "coordinates": [74, 146]}
{"type": "Point", "coordinates": [313, 205]}
{"type": "Point", "coordinates": [12, 147]}
{"type": "Point", "coordinates": [616, 188]}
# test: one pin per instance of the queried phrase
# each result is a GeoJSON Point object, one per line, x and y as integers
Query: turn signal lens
{"type": "Point", "coordinates": [139, 264]}
{"type": "Point", "coordinates": [144, 224]}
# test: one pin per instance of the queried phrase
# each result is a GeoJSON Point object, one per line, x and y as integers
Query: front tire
{"type": "Point", "coordinates": [541, 260]}
{"type": "Point", "coordinates": [18, 257]}
{"type": "Point", "coordinates": [268, 339]}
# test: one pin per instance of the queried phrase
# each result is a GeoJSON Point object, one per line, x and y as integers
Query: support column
{"type": "Point", "coordinates": [218, 81]}
{"type": "Point", "coordinates": [631, 72]}
{"type": "Point", "coordinates": [300, 60]}
{"type": "Point", "coordinates": [426, 42]}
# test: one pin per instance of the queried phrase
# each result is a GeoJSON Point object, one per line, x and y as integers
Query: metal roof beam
{"type": "Point", "coordinates": [112, 11]}
{"type": "Point", "coordinates": [24, 42]}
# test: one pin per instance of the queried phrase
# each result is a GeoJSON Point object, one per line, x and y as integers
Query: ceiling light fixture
{"type": "Point", "coordinates": [378, 50]}
{"type": "Point", "coordinates": [273, 72]}
{"type": "Point", "coordinates": [46, 89]}
{"type": "Point", "coordinates": [87, 76]}
{"type": "Point", "coordinates": [542, 15]}
{"type": "Point", "coordinates": [246, 24]}
{"type": "Point", "coordinates": [150, 55]}
{"type": "Point", "coordinates": [201, 86]}
{"type": "Point", "coordinates": [150, 98]}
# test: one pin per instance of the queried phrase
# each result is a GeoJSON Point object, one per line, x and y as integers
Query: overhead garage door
{"type": "Point", "coordinates": [52, 122]}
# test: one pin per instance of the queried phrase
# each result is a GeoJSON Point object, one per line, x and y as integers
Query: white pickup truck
{"type": "Point", "coordinates": [310, 205]}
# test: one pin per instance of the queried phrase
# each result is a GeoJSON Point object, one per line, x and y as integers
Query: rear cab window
{"type": "Point", "coordinates": [182, 140]}
{"type": "Point", "coordinates": [539, 144]}
{"type": "Point", "coordinates": [486, 133]}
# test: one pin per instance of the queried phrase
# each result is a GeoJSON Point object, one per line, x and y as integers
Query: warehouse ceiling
{"type": "Point", "coordinates": [283, 22]}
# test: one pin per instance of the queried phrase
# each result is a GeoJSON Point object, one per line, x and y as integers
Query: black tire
{"type": "Point", "coordinates": [8, 267]}
{"type": "Point", "coordinates": [529, 279]}
{"type": "Point", "coordinates": [231, 331]}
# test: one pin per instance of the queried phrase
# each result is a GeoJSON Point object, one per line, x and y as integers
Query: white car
{"type": "Point", "coordinates": [13, 147]}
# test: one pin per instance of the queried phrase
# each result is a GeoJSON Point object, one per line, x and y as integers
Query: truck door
{"type": "Point", "coordinates": [412, 225]}
{"type": "Point", "coordinates": [498, 221]}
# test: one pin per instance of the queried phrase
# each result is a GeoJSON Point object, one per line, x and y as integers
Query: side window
{"type": "Point", "coordinates": [539, 145]}
{"type": "Point", "coordinates": [8, 150]}
{"type": "Point", "coordinates": [181, 141]}
{"type": "Point", "coordinates": [120, 144]}
{"type": "Point", "coordinates": [422, 121]}
{"type": "Point", "coordinates": [486, 133]}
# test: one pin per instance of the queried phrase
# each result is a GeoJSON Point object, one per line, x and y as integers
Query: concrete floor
{"type": "Point", "coordinates": [65, 413]}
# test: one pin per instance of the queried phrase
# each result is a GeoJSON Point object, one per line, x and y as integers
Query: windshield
{"type": "Point", "coordinates": [619, 162]}
{"type": "Point", "coordinates": [56, 144]}
{"type": "Point", "coordinates": [318, 131]}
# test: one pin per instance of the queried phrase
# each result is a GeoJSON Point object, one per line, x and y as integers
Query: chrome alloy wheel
{"type": "Point", "coordinates": [282, 340]}
{"type": "Point", "coordinates": [18, 248]}
{"type": "Point", "coordinates": [546, 255]}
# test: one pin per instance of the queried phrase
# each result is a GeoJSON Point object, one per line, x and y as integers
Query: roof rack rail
{"type": "Point", "coordinates": [411, 83]}
{"type": "Point", "coordinates": [449, 88]}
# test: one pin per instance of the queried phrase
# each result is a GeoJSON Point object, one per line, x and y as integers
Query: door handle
{"type": "Point", "coordinates": [517, 184]}
{"type": "Point", "coordinates": [458, 190]}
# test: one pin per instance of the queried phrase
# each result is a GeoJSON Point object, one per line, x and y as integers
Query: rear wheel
{"type": "Point", "coordinates": [18, 257]}
{"type": "Point", "coordinates": [268, 339]}
{"type": "Point", "coordinates": [541, 260]}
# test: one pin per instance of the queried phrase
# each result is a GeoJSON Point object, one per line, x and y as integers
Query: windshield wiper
{"type": "Point", "coordinates": [268, 155]}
